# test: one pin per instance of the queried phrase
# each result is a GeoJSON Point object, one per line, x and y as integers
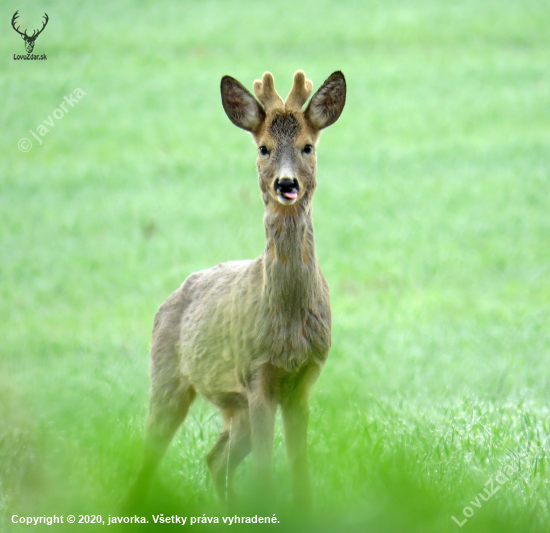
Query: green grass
{"type": "Point", "coordinates": [432, 229]}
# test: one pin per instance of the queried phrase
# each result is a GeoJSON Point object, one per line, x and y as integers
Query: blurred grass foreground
{"type": "Point", "coordinates": [432, 228]}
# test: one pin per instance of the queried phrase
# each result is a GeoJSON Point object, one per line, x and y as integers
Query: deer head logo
{"type": "Point", "coordinates": [29, 39]}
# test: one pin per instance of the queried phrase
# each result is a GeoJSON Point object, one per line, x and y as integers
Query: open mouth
{"type": "Point", "coordinates": [287, 190]}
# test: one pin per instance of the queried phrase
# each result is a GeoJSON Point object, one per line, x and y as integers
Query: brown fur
{"type": "Point", "coordinates": [251, 335]}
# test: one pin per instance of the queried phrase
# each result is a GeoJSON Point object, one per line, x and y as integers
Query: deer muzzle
{"type": "Point", "coordinates": [287, 190]}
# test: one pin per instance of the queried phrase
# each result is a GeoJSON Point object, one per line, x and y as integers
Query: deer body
{"type": "Point", "coordinates": [252, 335]}
{"type": "Point", "coordinates": [238, 316]}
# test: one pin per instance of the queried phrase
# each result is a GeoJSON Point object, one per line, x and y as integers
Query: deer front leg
{"type": "Point", "coordinates": [295, 411]}
{"type": "Point", "coordinates": [295, 420]}
{"type": "Point", "coordinates": [262, 408]}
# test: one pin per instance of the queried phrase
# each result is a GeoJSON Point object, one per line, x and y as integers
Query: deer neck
{"type": "Point", "coordinates": [290, 264]}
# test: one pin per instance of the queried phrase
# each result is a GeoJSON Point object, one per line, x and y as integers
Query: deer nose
{"type": "Point", "coordinates": [286, 184]}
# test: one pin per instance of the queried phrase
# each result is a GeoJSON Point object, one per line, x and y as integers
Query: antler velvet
{"type": "Point", "coordinates": [268, 96]}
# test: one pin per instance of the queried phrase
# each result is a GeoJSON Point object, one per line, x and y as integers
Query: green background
{"type": "Point", "coordinates": [432, 228]}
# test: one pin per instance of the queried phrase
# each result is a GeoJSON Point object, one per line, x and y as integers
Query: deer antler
{"type": "Point", "coordinates": [43, 26]}
{"type": "Point", "coordinates": [268, 96]}
{"type": "Point", "coordinates": [14, 18]}
{"type": "Point", "coordinates": [301, 89]}
{"type": "Point", "coordinates": [266, 93]}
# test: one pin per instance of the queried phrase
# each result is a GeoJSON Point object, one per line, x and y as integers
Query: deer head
{"type": "Point", "coordinates": [285, 134]}
{"type": "Point", "coordinates": [29, 40]}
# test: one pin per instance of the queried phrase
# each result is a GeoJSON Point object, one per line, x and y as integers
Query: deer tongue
{"type": "Point", "coordinates": [291, 195]}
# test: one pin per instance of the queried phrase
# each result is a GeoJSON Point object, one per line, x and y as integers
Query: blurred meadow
{"type": "Point", "coordinates": [432, 218]}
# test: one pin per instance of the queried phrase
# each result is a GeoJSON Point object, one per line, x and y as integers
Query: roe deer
{"type": "Point", "coordinates": [252, 335]}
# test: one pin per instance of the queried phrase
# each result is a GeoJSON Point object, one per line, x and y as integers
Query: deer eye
{"type": "Point", "coordinates": [307, 149]}
{"type": "Point", "coordinates": [264, 150]}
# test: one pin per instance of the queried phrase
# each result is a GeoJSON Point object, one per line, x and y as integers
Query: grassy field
{"type": "Point", "coordinates": [432, 227]}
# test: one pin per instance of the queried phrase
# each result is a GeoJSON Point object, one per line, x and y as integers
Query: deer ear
{"type": "Point", "coordinates": [240, 106]}
{"type": "Point", "coordinates": [326, 105]}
